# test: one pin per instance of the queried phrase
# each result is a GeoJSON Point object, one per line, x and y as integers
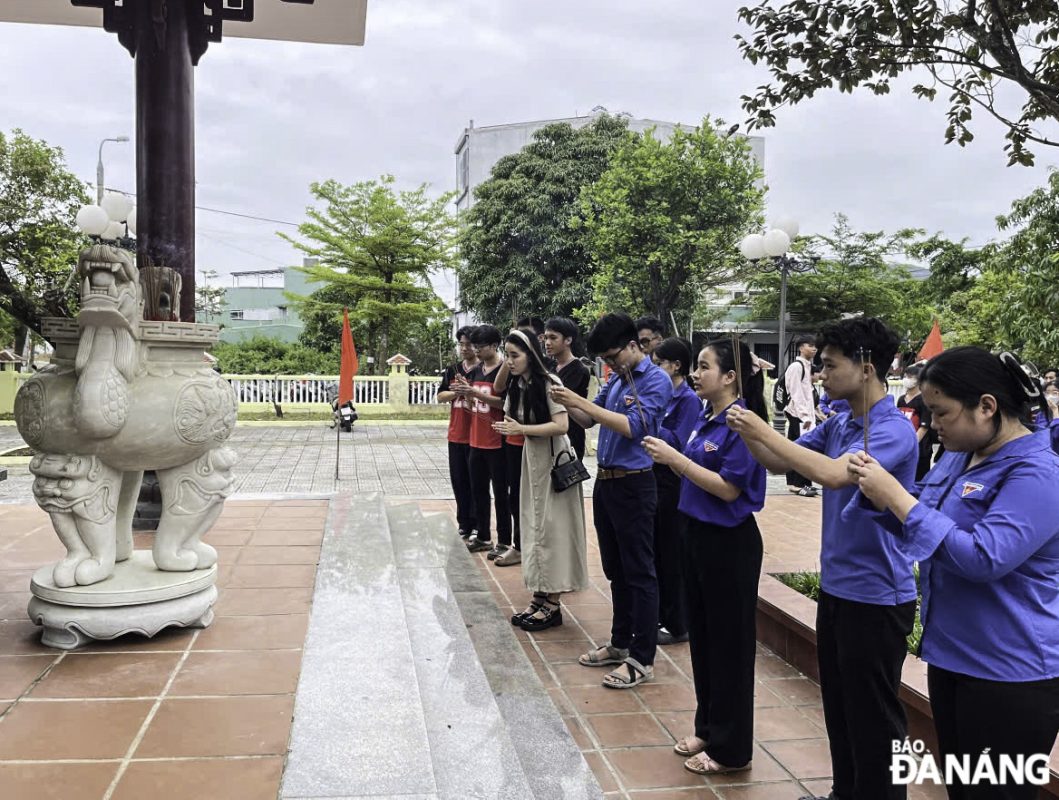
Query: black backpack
{"type": "Point", "coordinates": [781, 397]}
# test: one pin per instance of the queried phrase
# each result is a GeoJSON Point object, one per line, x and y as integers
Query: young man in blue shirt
{"type": "Point", "coordinates": [868, 593]}
{"type": "Point", "coordinates": [630, 406]}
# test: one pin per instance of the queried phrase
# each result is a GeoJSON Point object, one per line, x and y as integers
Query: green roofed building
{"type": "Point", "coordinates": [256, 305]}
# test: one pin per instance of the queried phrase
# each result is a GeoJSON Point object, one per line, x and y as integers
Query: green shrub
{"type": "Point", "coordinates": [263, 356]}
{"type": "Point", "coordinates": [808, 583]}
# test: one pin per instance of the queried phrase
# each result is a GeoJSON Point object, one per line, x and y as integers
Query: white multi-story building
{"type": "Point", "coordinates": [479, 148]}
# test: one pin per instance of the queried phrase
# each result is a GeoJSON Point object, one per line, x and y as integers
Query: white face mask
{"type": "Point", "coordinates": [908, 383]}
{"type": "Point", "coordinates": [1053, 399]}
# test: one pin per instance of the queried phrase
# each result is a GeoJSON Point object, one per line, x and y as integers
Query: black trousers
{"type": "Point", "coordinates": [668, 552]}
{"type": "Point", "coordinates": [794, 430]}
{"type": "Point", "coordinates": [460, 475]}
{"type": "Point", "coordinates": [624, 513]}
{"type": "Point", "coordinates": [972, 715]}
{"type": "Point", "coordinates": [721, 571]}
{"type": "Point", "coordinates": [490, 467]}
{"type": "Point", "coordinates": [860, 648]}
{"type": "Point", "coordinates": [513, 456]}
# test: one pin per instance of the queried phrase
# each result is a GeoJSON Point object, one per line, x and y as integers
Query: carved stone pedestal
{"type": "Point", "coordinates": [138, 598]}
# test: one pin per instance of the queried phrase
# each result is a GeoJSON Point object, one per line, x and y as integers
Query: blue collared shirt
{"type": "Point", "coordinates": [682, 412]}
{"type": "Point", "coordinates": [655, 388]}
{"type": "Point", "coordinates": [717, 448]}
{"type": "Point", "coordinates": [987, 542]}
{"type": "Point", "coordinates": [859, 559]}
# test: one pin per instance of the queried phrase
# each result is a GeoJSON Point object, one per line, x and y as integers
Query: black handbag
{"type": "Point", "coordinates": [566, 473]}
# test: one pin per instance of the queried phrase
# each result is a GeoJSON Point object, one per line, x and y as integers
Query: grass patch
{"type": "Point", "coordinates": [808, 584]}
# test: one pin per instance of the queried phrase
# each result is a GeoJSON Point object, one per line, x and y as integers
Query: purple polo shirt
{"type": "Point", "coordinates": [716, 447]}
{"type": "Point", "coordinates": [654, 388]}
{"type": "Point", "coordinates": [987, 541]}
{"type": "Point", "coordinates": [859, 559]}
{"type": "Point", "coordinates": [683, 411]}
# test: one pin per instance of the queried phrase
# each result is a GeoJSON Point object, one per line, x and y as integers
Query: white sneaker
{"type": "Point", "coordinates": [508, 558]}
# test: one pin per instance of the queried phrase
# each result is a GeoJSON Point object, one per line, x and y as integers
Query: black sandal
{"type": "Point", "coordinates": [552, 618]}
{"type": "Point", "coordinates": [538, 601]}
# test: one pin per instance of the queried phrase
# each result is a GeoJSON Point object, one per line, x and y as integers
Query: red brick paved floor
{"type": "Point", "coordinates": [627, 737]}
{"type": "Point", "coordinates": [202, 714]}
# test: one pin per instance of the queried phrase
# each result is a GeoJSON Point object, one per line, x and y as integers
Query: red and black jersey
{"type": "Point", "coordinates": [460, 414]}
{"type": "Point", "coordinates": [484, 415]}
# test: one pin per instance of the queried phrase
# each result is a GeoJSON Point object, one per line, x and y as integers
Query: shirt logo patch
{"type": "Point", "coordinates": [970, 488]}
{"type": "Point", "coordinates": [709, 446]}
{"type": "Point", "coordinates": [628, 400]}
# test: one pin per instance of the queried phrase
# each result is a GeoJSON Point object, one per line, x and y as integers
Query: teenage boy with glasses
{"type": "Point", "coordinates": [649, 333]}
{"type": "Point", "coordinates": [630, 406]}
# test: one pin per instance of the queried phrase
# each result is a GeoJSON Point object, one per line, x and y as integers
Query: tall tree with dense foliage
{"type": "Point", "coordinates": [859, 272]}
{"type": "Point", "coordinates": [977, 53]}
{"type": "Point", "coordinates": [520, 254]}
{"type": "Point", "coordinates": [663, 222]}
{"type": "Point", "coordinates": [378, 246]}
{"type": "Point", "coordinates": [1023, 274]}
{"type": "Point", "coordinates": [39, 242]}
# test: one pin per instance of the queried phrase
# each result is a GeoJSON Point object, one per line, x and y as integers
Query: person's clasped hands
{"type": "Point", "coordinates": [509, 427]}
{"type": "Point", "coordinates": [873, 480]}
{"type": "Point", "coordinates": [659, 451]}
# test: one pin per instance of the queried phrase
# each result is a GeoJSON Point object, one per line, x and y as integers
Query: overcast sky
{"type": "Point", "coordinates": [273, 117]}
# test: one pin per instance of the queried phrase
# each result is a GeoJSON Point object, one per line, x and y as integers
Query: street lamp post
{"type": "Point", "coordinates": [99, 167]}
{"type": "Point", "coordinates": [769, 252]}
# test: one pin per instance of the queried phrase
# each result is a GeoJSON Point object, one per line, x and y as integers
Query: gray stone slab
{"type": "Point", "coordinates": [551, 758]}
{"type": "Point", "coordinates": [358, 726]}
{"type": "Point", "coordinates": [470, 741]}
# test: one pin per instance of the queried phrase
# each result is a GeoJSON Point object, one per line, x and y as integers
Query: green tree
{"type": "Point", "coordinates": [974, 52]}
{"type": "Point", "coordinates": [39, 243]}
{"type": "Point", "coordinates": [858, 273]}
{"type": "Point", "coordinates": [416, 338]}
{"type": "Point", "coordinates": [954, 267]}
{"type": "Point", "coordinates": [1025, 270]}
{"type": "Point", "coordinates": [380, 245]}
{"type": "Point", "coordinates": [663, 222]}
{"type": "Point", "coordinates": [520, 254]}
{"type": "Point", "coordinates": [209, 300]}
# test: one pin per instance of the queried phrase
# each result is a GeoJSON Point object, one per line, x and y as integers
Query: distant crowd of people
{"type": "Point", "coordinates": [959, 477]}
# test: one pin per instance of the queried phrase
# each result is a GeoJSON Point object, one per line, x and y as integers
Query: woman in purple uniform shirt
{"type": "Point", "coordinates": [982, 524]}
{"type": "Point", "coordinates": [721, 487]}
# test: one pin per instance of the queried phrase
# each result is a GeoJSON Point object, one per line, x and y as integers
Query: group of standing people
{"type": "Point", "coordinates": [683, 451]}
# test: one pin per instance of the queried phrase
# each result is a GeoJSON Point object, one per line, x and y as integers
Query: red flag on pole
{"type": "Point", "coordinates": [350, 365]}
{"type": "Point", "coordinates": [933, 345]}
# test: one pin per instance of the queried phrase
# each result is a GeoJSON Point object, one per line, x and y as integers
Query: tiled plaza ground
{"type": "Point", "coordinates": [202, 714]}
{"type": "Point", "coordinates": [627, 736]}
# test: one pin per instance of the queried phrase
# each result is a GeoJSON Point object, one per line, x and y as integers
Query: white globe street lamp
{"type": "Point", "coordinates": [92, 220]}
{"type": "Point", "coordinates": [769, 252]}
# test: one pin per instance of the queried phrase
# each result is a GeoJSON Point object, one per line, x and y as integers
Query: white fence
{"type": "Point", "coordinates": [369, 390]}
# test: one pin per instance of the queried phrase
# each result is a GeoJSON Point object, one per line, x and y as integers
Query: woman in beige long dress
{"type": "Point", "coordinates": [554, 559]}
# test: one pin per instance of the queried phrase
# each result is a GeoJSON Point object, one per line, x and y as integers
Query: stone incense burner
{"type": "Point", "coordinates": [123, 395]}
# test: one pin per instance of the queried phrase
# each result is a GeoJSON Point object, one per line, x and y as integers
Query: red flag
{"type": "Point", "coordinates": [350, 365]}
{"type": "Point", "coordinates": [933, 345]}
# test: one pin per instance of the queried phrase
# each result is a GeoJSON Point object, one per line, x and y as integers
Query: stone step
{"type": "Point", "coordinates": [470, 742]}
{"type": "Point", "coordinates": [359, 729]}
{"type": "Point", "coordinates": [490, 659]}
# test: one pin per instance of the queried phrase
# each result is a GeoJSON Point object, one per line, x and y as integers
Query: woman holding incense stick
{"type": "Point", "coordinates": [982, 525]}
{"type": "Point", "coordinates": [721, 488]}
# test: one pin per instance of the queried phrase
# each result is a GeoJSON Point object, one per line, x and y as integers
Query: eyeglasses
{"type": "Point", "coordinates": [611, 360]}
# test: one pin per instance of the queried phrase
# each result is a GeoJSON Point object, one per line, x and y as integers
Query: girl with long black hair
{"type": "Point", "coordinates": [721, 487]}
{"type": "Point", "coordinates": [554, 557]}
